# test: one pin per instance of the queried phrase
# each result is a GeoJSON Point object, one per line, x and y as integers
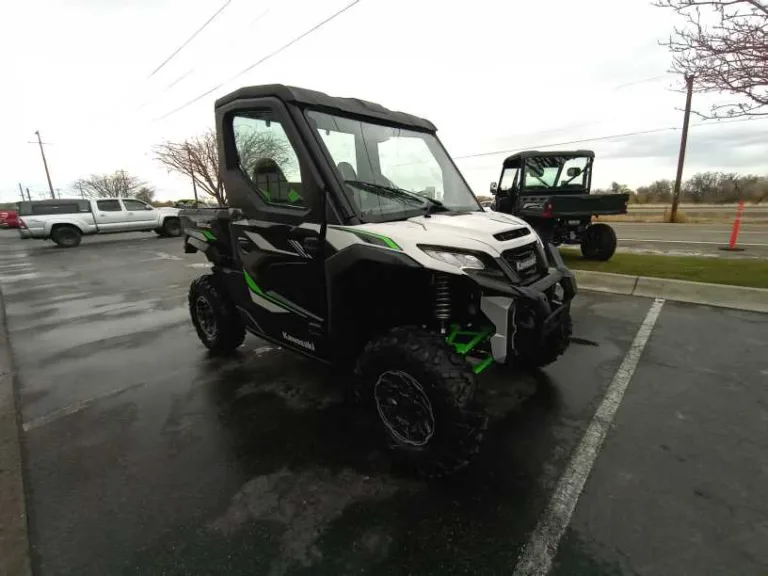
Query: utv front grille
{"type": "Point", "coordinates": [511, 234]}
{"type": "Point", "coordinates": [526, 262]}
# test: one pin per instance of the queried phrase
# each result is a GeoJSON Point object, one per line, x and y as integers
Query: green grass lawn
{"type": "Point", "coordinates": [737, 272]}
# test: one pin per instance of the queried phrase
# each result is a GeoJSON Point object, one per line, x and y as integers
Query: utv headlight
{"type": "Point", "coordinates": [459, 259]}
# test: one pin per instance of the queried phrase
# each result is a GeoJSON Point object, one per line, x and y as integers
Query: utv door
{"type": "Point", "coordinates": [268, 175]}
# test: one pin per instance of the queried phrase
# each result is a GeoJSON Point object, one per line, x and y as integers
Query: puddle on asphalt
{"type": "Point", "coordinates": [303, 504]}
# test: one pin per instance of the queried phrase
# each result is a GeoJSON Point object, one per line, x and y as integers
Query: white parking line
{"type": "Point", "coordinates": [74, 408]}
{"type": "Point", "coordinates": [538, 554]}
{"type": "Point", "coordinates": [724, 243]}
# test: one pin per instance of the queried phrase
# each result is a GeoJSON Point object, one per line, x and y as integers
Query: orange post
{"type": "Point", "coordinates": [736, 227]}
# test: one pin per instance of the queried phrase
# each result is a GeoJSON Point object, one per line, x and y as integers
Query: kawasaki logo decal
{"type": "Point", "coordinates": [303, 343]}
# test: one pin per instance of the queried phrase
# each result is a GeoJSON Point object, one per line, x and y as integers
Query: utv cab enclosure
{"type": "Point", "coordinates": [352, 238]}
{"type": "Point", "coordinates": [551, 191]}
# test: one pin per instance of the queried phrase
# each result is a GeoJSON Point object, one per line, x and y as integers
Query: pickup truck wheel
{"type": "Point", "coordinates": [172, 227]}
{"type": "Point", "coordinates": [598, 242]}
{"type": "Point", "coordinates": [215, 318]}
{"type": "Point", "coordinates": [160, 232]}
{"type": "Point", "coordinates": [417, 396]}
{"type": "Point", "coordinates": [66, 236]}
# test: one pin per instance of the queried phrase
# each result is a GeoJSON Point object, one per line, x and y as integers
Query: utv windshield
{"type": "Point", "coordinates": [547, 172]}
{"type": "Point", "coordinates": [392, 173]}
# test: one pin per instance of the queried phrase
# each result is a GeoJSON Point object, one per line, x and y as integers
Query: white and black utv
{"type": "Point", "coordinates": [352, 238]}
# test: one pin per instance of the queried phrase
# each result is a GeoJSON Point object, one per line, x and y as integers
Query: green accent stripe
{"type": "Point", "coordinates": [252, 283]}
{"type": "Point", "coordinates": [209, 235]}
{"type": "Point", "coordinates": [274, 298]}
{"type": "Point", "coordinates": [389, 243]}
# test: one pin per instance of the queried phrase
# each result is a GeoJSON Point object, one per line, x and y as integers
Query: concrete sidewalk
{"type": "Point", "coordinates": [721, 295]}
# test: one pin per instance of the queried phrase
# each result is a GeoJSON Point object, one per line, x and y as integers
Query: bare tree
{"type": "Point", "coordinates": [119, 184]}
{"type": "Point", "coordinates": [724, 45]}
{"type": "Point", "coordinates": [198, 157]}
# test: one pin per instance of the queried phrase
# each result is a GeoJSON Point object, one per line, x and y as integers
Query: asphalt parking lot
{"type": "Point", "coordinates": [143, 455]}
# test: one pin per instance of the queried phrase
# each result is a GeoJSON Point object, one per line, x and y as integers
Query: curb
{"type": "Point", "coordinates": [14, 535]}
{"type": "Point", "coordinates": [721, 295]}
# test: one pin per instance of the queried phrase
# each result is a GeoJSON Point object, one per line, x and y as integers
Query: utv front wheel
{"type": "Point", "coordinates": [418, 395]}
{"type": "Point", "coordinates": [215, 318]}
{"type": "Point", "coordinates": [599, 242]}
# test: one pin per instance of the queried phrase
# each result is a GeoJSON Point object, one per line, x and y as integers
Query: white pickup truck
{"type": "Point", "coordinates": [66, 221]}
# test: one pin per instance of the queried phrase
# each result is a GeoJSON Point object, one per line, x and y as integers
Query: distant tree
{"type": "Point", "coordinates": [146, 194]}
{"type": "Point", "coordinates": [119, 184]}
{"type": "Point", "coordinates": [723, 44]}
{"type": "Point", "coordinates": [485, 198]}
{"type": "Point", "coordinates": [617, 188]}
{"type": "Point", "coordinates": [199, 156]}
{"type": "Point", "coordinates": [657, 192]}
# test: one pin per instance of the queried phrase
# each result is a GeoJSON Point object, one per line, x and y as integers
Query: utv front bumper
{"type": "Point", "coordinates": [538, 308]}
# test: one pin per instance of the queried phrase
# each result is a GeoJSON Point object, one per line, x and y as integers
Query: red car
{"type": "Point", "coordinates": [9, 218]}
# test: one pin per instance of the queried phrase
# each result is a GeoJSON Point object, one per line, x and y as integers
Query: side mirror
{"type": "Point", "coordinates": [149, 207]}
{"type": "Point", "coordinates": [494, 188]}
{"type": "Point", "coordinates": [573, 172]}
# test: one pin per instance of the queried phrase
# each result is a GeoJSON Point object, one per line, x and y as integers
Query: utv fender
{"type": "Point", "coordinates": [356, 253]}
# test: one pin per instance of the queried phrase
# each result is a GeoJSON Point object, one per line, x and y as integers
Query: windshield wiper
{"type": "Point", "coordinates": [393, 192]}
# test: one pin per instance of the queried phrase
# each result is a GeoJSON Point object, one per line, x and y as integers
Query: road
{"type": "Point", "coordinates": [691, 239]}
{"type": "Point", "coordinates": [144, 455]}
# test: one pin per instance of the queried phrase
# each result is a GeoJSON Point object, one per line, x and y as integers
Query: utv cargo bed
{"type": "Point", "coordinates": [572, 205]}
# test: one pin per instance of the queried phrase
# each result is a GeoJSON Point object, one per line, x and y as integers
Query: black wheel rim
{"type": "Point", "coordinates": [206, 318]}
{"type": "Point", "coordinates": [404, 408]}
{"type": "Point", "coordinates": [173, 227]}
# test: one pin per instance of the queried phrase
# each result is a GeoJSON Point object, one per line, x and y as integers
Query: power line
{"type": "Point", "coordinates": [610, 136]}
{"type": "Point", "coordinates": [191, 70]}
{"type": "Point", "coordinates": [188, 40]}
{"type": "Point", "coordinates": [642, 81]}
{"type": "Point", "coordinates": [260, 61]}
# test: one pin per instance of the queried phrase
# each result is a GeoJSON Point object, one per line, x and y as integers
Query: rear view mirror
{"type": "Point", "coordinates": [494, 188]}
{"type": "Point", "coordinates": [573, 172]}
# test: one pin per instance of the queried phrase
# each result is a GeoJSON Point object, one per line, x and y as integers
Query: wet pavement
{"type": "Point", "coordinates": [143, 455]}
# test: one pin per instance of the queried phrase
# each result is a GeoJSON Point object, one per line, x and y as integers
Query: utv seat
{"type": "Point", "coordinates": [271, 181]}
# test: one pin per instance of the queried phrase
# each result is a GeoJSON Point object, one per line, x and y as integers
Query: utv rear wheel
{"type": "Point", "coordinates": [66, 236]}
{"type": "Point", "coordinates": [538, 355]}
{"type": "Point", "coordinates": [598, 242]}
{"type": "Point", "coordinates": [418, 395]}
{"type": "Point", "coordinates": [215, 318]}
{"type": "Point", "coordinates": [172, 227]}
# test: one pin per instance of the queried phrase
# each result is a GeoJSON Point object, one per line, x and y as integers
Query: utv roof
{"type": "Point", "coordinates": [513, 160]}
{"type": "Point", "coordinates": [319, 100]}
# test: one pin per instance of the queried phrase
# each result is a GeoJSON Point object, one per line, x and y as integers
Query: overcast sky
{"type": "Point", "coordinates": [493, 75]}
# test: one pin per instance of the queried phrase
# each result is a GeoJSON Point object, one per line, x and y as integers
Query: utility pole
{"type": "Point", "coordinates": [45, 163]}
{"type": "Point", "coordinates": [683, 143]}
{"type": "Point", "coordinates": [192, 175]}
{"type": "Point", "coordinates": [22, 192]}
{"type": "Point", "coordinates": [29, 196]}
{"type": "Point", "coordinates": [82, 194]}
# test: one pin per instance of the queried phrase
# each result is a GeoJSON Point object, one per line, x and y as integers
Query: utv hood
{"type": "Point", "coordinates": [472, 231]}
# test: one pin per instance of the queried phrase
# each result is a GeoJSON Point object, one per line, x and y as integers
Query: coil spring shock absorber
{"type": "Point", "coordinates": [442, 299]}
